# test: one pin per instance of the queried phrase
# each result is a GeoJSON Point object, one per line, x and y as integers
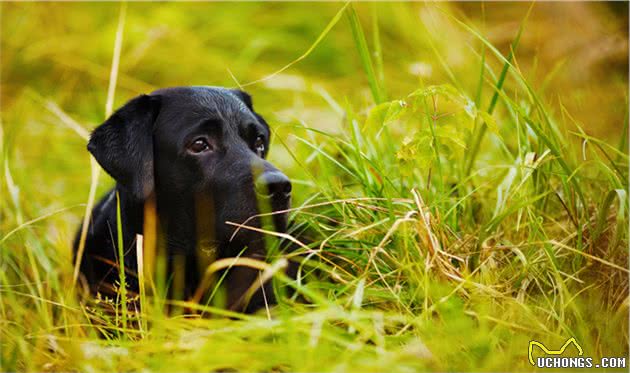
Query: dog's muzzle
{"type": "Point", "coordinates": [273, 185]}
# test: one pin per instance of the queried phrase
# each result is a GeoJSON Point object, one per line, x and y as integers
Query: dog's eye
{"type": "Point", "coordinates": [199, 146]}
{"type": "Point", "coordinates": [259, 146]}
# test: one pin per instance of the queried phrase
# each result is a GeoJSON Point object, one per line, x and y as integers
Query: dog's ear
{"type": "Point", "coordinates": [245, 97]}
{"type": "Point", "coordinates": [247, 100]}
{"type": "Point", "coordinates": [123, 145]}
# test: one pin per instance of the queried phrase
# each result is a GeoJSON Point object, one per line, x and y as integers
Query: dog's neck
{"type": "Point", "coordinates": [175, 223]}
{"type": "Point", "coordinates": [174, 229]}
{"type": "Point", "coordinates": [131, 214]}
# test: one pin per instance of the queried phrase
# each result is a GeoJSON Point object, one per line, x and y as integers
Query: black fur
{"type": "Point", "coordinates": [146, 147]}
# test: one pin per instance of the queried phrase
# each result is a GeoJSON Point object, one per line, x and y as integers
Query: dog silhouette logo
{"type": "Point", "coordinates": [553, 352]}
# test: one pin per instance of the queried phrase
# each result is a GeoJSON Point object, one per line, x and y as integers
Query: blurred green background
{"type": "Point", "coordinates": [574, 53]}
{"type": "Point", "coordinates": [55, 66]}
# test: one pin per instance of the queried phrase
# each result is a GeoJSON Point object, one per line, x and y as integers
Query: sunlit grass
{"type": "Point", "coordinates": [442, 221]}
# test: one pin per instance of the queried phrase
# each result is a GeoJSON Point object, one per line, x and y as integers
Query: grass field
{"type": "Point", "coordinates": [460, 172]}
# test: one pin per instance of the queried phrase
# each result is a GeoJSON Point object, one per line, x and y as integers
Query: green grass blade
{"type": "Point", "coordinates": [476, 139]}
{"type": "Point", "coordinates": [366, 61]}
{"type": "Point", "coordinates": [122, 291]}
{"type": "Point", "coordinates": [378, 49]}
{"type": "Point", "coordinates": [317, 41]}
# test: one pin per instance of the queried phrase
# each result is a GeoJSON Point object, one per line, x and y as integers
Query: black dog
{"type": "Point", "coordinates": [198, 154]}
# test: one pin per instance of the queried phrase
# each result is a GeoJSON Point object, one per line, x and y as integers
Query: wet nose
{"type": "Point", "coordinates": [273, 184]}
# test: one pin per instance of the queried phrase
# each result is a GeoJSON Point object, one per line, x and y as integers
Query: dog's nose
{"type": "Point", "coordinates": [273, 184]}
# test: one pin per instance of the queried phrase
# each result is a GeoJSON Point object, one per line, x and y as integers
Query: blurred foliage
{"type": "Point", "coordinates": [458, 274]}
{"type": "Point", "coordinates": [63, 52]}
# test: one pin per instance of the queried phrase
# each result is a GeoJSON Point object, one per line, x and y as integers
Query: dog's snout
{"type": "Point", "coordinates": [273, 184]}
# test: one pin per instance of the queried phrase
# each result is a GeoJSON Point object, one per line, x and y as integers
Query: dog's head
{"type": "Point", "coordinates": [201, 151]}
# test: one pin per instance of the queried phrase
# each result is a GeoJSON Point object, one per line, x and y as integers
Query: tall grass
{"type": "Point", "coordinates": [440, 226]}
